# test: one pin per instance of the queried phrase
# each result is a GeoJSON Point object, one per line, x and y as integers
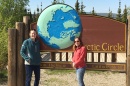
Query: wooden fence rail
{"type": "Point", "coordinates": [91, 57]}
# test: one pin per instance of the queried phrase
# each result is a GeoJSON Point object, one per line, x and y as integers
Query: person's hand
{"type": "Point", "coordinates": [73, 65]}
{"type": "Point", "coordinates": [28, 60]}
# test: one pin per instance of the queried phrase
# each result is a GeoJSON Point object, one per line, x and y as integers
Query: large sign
{"type": "Point", "coordinates": [99, 34]}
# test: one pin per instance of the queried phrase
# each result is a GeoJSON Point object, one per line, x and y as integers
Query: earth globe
{"type": "Point", "coordinates": [58, 25]}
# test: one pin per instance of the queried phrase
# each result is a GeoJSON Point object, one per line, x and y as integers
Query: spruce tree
{"type": "Point", "coordinates": [54, 2]}
{"type": "Point", "coordinates": [110, 14]}
{"type": "Point", "coordinates": [124, 16]}
{"type": "Point", "coordinates": [93, 12]}
{"type": "Point", "coordinates": [118, 16]}
{"type": "Point", "coordinates": [82, 8]}
{"type": "Point", "coordinates": [77, 6]}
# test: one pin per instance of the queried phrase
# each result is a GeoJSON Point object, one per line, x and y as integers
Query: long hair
{"type": "Point", "coordinates": [81, 43]}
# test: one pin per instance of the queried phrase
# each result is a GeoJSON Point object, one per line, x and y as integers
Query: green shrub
{"type": "Point", "coordinates": [3, 49]}
{"type": "Point", "coordinates": [57, 72]}
{"type": "Point", "coordinates": [3, 76]}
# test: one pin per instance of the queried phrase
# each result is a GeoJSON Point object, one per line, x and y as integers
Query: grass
{"type": "Point", "coordinates": [53, 82]}
{"type": "Point", "coordinates": [57, 72]}
{"type": "Point", "coordinates": [3, 76]}
{"type": "Point", "coordinates": [96, 72]}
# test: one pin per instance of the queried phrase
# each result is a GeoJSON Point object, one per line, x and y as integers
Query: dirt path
{"type": "Point", "coordinates": [92, 78]}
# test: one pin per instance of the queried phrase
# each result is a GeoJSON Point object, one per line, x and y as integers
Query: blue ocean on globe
{"type": "Point", "coordinates": [58, 25]}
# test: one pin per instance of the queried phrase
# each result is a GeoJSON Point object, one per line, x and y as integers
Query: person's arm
{"type": "Point", "coordinates": [73, 60]}
{"type": "Point", "coordinates": [23, 51]}
{"type": "Point", "coordinates": [82, 56]}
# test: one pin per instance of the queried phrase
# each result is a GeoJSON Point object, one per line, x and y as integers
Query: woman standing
{"type": "Point", "coordinates": [79, 60]}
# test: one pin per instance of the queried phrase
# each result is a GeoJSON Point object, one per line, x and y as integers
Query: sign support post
{"type": "Point", "coordinates": [128, 55]}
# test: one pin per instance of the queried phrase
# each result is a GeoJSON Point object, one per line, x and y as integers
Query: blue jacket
{"type": "Point", "coordinates": [30, 51]}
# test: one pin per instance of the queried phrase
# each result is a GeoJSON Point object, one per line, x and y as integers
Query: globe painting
{"type": "Point", "coordinates": [58, 25]}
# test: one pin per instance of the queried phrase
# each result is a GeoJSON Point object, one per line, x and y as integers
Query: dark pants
{"type": "Point", "coordinates": [29, 70]}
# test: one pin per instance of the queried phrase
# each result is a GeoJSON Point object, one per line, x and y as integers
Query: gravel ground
{"type": "Point", "coordinates": [91, 78]}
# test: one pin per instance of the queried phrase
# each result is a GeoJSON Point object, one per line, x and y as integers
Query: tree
{"type": "Point", "coordinates": [77, 6]}
{"type": "Point", "coordinates": [128, 10]}
{"type": "Point", "coordinates": [118, 16]}
{"type": "Point", "coordinates": [11, 11]}
{"type": "Point", "coordinates": [38, 13]}
{"type": "Point", "coordinates": [93, 12]}
{"type": "Point", "coordinates": [82, 8]}
{"type": "Point", "coordinates": [124, 16]}
{"type": "Point", "coordinates": [34, 17]}
{"type": "Point", "coordinates": [31, 17]}
{"type": "Point", "coordinates": [54, 2]}
{"type": "Point", "coordinates": [57, 1]}
{"type": "Point", "coordinates": [110, 14]}
{"type": "Point", "coordinates": [3, 49]}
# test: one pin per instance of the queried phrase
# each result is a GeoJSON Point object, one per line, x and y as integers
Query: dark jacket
{"type": "Point", "coordinates": [30, 51]}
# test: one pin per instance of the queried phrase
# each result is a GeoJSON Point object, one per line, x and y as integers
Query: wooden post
{"type": "Point", "coordinates": [114, 57]}
{"type": "Point", "coordinates": [99, 54]}
{"type": "Point", "coordinates": [53, 57]}
{"type": "Point", "coordinates": [128, 55]}
{"type": "Point", "coordinates": [66, 56]}
{"type": "Point", "coordinates": [27, 26]}
{"type": "Point", "coordinates": [12, 57]}
{"type": "Point", "coordinates": [60, 56]}
{"type": "Point", "coordinates": [92, 57]}
{"type": "Point", "coordinates": [20, 62]}
{"type": "Point", "coordinates": [105, 57]}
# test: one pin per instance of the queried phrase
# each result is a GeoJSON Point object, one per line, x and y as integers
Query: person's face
{"type": "Point", "coordinates": [32, 34]}
{"type": "Point", "coordinates": [77, 42]}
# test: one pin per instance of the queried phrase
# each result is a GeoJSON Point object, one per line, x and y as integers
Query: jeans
{"type": "Point", "coordinates": [29, 69]}
{"type": "Point", "coordinates": [80, 75]}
